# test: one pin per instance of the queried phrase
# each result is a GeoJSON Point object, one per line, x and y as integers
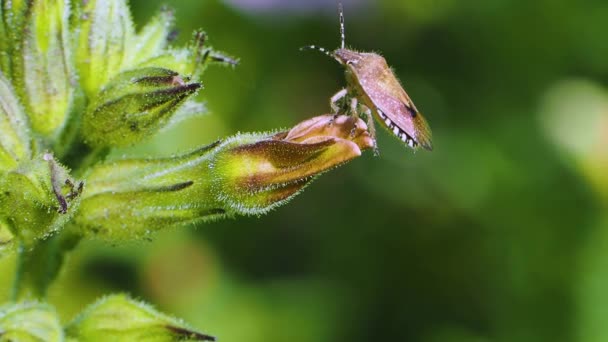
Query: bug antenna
{"type": "Point", "coordinates": [318, 48]}
{"type": "Point", "coordinates": [342, 34]}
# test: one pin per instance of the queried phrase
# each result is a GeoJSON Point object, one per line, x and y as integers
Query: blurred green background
{"type": "Point", "coordinates": [499, 234]}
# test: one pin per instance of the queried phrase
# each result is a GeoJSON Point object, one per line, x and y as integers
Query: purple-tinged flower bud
{"type": "Point", "coordinates": [254, 177]}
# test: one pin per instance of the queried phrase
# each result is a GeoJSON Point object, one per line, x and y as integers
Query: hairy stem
{"type": "Point", "coordinates": [38, 266]}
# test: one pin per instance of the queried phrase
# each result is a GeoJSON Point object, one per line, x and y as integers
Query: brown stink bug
{"type": "Point", "coordinates": [373, 89]}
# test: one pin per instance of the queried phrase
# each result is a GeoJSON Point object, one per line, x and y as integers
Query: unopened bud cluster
{"type": "Point", "coordinates": [76, 79]}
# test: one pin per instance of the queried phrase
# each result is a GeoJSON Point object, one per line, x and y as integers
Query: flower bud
{"type": "Point", "coordinates": [255, 177]}
{"type": "Point", "coordinates": [119, 318]}
{"type": "Point", "coordinates": [30, 322]}
{"type": "Point", "coordinates": [14, 143]}
{"type": "Point", "coordinates": [134, 105]}
{"type": "Point", "coordinates": [245, 174]}
{"type": "Point", "coordinates": [42, 70]}
{"type": "Point", "coordinates": [37, 198]}
{"type": "Point", "coordinates": [106, 32]}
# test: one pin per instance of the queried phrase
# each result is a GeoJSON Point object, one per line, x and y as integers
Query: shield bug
{"type": "Point", "coordinates": [373, 88]}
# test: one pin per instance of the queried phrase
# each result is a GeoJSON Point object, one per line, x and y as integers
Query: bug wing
{"type": "Point", "coordinates": [397, 113]}
{"type": "Point", "coordinates": [381, 91]}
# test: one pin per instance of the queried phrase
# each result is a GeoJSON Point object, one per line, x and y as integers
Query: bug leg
{"type": "Point", "coordinates": [354, 106]}
{"type": "Point", "coordinates": [354, 110]}
{"type": "Point", "coordinates": [333, 101]}
{"type": "Point", "coordinates": [372, 129]}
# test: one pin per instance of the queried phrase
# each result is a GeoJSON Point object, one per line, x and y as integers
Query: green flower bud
{"type": "Point", "coordinates": [106, 32]}
{"type": "Point", "coordinates": [246, 174]}
{"type": "Point", "coordinates": [134, 105]}
{"type": "Point", "coordinates": [42, 69]}
{"type": "Point", "coordinates": [37, 198]}
{"type": "Point", "coordinates": [14, 142]}
{"type": "Point", "coordinates": [119, 318]}
{"type": "Point", "coordinates": [29, 322]}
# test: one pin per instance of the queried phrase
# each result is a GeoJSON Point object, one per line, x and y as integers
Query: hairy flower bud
{"type": "Point", "coordinates": [14, 141]}
{"type": "Point", "coordinates": [37, 198]}
{"type": "Point", "coordinates": [134, 105]}
{"type": "Point", "coordinates": [106, 32]}
{"type": "Point", "coordinates": [254, 177]}
{"type": "Point", "coordinates": [119, 318]}
{"type": "Point", "coordinates": [30, 322]}
{"type": "Point", "coordinates": [41, 64]}
{"type": "Point", "coordinates": [245, 174]}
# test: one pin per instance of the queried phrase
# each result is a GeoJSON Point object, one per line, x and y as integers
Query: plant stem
{"type": "Point", "coordinates": [38, 265]}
